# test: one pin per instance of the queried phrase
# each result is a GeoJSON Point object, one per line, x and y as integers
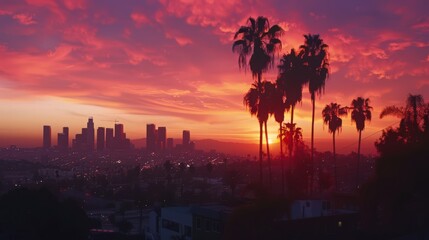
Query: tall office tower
{"type": "Point", "coordinates": [119, 131]}
{"type": "Point", "coordinates": [162, 137]}
{"type": "Point", "coordinates": [46, 136]}
{"type": "Point", "coordinates": [186, 138]}
{"type": "Point", "coordinates": [170, 143]}
{"type": "Point", "coordinates": [66, 137]}
{"type": "Point", "coordinates": [150, 137]}
{"type": "Point", "coordinates": [90, 134]}
{"type": "Point", "coordinates": [63, 139]}
{"type": "Point", "coordinates": [100, 139]}
{"type": "Point", "coordinates": [109, 138]}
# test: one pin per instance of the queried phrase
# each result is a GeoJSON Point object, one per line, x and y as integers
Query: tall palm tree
{"type": "Point", "coordinates": [257, 100]}
{"type": "Point", "coordinates": [278, 109]}
{"type": "Point", "coordinates": [331, 116]}
{"type": "Point", "coordinates": [412, 115]}
{"type": "Point", "coordinates": [317, 63]}
{"type": "Point", "coordinates": [291, 79]}
{"type": "Point", "coordinates": [272, 101]}
{"type": "Point", "coordinates": [361, 112]}
{"type": "Point", "coordinates": [260, 41]}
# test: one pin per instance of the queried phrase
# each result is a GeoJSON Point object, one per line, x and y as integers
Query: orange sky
{"type": "Point", "coordinates": [170, 63]}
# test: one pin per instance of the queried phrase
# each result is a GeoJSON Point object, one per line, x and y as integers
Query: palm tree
{"type": "Point", "coordinates": [291, 135]}
{"type": "Point", "coordinates": [258, 104]}
{"type": "Point", "coordinates": [272, 101]}
{"type": "Point", "coordinates": [331, 116]}
{"type": "Point", "coordinates": [259, 41]}
{"type": "Point", "coordinates": [317, 64]}
{"type": "Point", "coordinates": [278, 109]}
{"type": "Point", "coordinates": [412, 115]}
{"type": "Point", "coordinates": [361, 111]}
{"type": "Point", "coordinates": [291, 79]}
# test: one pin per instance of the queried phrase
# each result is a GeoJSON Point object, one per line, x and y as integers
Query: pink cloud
{"type": "Point", "coordinates": [422, 25]}
{"type": "Point", "coordinates": [139, 19]}
{"type": "Point", "coordinates": [24, 19]}
{"type": "Point", "coordinates": [75, 4]}
{"type": "Point", "coordinates": [181, 40]}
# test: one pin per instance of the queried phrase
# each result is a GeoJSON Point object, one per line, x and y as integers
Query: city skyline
{"type": "Point", "coordinates": [101, 138]}
{"type": "Point", "coordinates": [171, 63]}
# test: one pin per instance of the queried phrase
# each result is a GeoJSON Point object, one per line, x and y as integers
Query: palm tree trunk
{"type": "Point", "coordinates": [281, 158]}
{"type": "Point", "coordinates": [358, 160]}
{"type": "Point", "coordinates": [260, 131]}
{"type": "Point", "coordinates": [313, 100]}
{"type": "Point", "coordinates": [335, 161]}
{"type": "Point", "coordinates": [268, 153]}
{"type": "Point", "coordinates": [260, 152]}
{"type": "Point", "coordinates": [291, 137]}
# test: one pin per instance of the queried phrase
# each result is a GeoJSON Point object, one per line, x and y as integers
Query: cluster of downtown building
{"type": "Point", "coordinates": [114, 139]}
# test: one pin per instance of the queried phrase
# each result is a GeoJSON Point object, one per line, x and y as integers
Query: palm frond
{"type": "Point", "coordinates": [392, 111]}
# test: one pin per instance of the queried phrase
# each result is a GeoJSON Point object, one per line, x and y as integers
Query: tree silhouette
{"type": "Point", "coordinates": [395, 199]}
{"type": "Point", "coordinates": [259, 41]}
{"type": "Point", "coordinates": [331, 116]}
{"type": "Point", "coordinates": [361, 112]}
{"type": "Point", "coordinates": [278, 108]}
{"type": "Point", "coordinates": [317, 64]}
{"type": "Point", "coordinates": [291, 80]}
{"type": "Point", "coordinates": [292, 135]}
{"type": "Point", "coordinates": [412, 116]}
{"type": "Point", "coordinates": [259, 104]}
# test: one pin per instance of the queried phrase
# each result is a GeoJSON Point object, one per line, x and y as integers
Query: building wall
{"type": "Point", "coordinates": [175, 221]}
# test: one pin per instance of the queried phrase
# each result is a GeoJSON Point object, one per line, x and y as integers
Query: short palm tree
{"type": "Point", "coordinates": [291, 135]}
{"type": "Point", "coordinates": [317, 64]}
{"type": "Point", "coordinates": [260, 41]}
{"type": "Point", "coordinates": [361, 112]}
{"type": "Point", "coordinates": [331, 116]}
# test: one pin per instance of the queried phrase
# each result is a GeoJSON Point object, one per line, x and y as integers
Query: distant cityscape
{"type": "Point", "coordinates": [114, 139]}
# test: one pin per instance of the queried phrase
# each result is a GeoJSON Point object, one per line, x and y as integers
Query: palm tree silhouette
{"type": "Point", "coordinates": [331, 116]}
{"type": "Point", "coordinates": [290, 81]}
{"type": "Point", "coordinates": [278, 109]}
{"type": "Point", "coordinates": [272, 101]}
{"type": "Point", "coordinates": [258, 103]}
{"type": "Point", "coordinates": [259, 41]}
{"type": "Point", "coordinates": [317, 63]}
{"type": "Point", "coordinates": [361, 111]}
{"type": "Point", "coordinates": [291, 135]}
{"type": "Point", "coordinates": [412, 115]}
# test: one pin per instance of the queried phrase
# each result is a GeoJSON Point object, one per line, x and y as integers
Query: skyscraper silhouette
{"type": "Point", "coordinates": [63, 139]}
{"type": "Point", "coordinates": [151, 137]}
{"type": "Point", "coordinates": [109, 138]}
{"type": "Point", "coordinates": [186, 138]}
{"type": "Point", "coordinates": [46, 136]}
{"type": "Point", "coordinates": [119, 131]}
{"type": "Point", "coordinates": [90, 134]}
{"type": "Point", "coordinates": [100, 138]}
{"type": "Point", "coordinates": [162, 138]}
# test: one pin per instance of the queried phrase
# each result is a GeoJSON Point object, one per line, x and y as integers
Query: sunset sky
{"type": "Point", "coordinates": [171, 63]}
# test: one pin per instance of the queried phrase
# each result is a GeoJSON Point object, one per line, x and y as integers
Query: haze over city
{"type": "Point", "coordinates": [170, 62]}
